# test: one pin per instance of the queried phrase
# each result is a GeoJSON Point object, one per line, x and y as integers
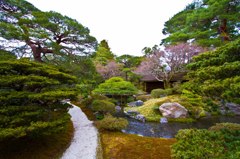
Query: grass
{"type": "Point", "coordinates": [51, 147]}
{"type": "Point", "coordinates": [117, 145]}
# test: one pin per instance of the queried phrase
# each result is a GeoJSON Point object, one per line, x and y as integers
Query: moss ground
{"type": "Point", "coordinates": [149, 108]}
{"type": "Point", "coordinates": [117, 145]}
{"type": "Point", "coordinates": [51, 147]}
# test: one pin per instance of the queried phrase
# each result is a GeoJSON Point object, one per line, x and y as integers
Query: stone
{"type": "Point", "coordinates": [118, 108]}
{"type": "Point", "coordinates": [163, 120]}
{"type": "Point", "coordinates": [139, 103]}
{"type": "Point", "coordinates": [173, 110]}
{"type": "Point", "coordinates": [135, 115]}
{"type": "Point", "coordinates": [135, 103]}
{"type": "Point", "coordinates": [233, 107]}
{"type": "Point", "coordinates": [131, 104]}
{"type": "Point", "coordinates": [140, 117]}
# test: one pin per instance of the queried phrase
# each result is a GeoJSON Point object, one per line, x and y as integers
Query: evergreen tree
{"type": "Point", "coordinates": [30, 99]}
{"type": "Point", "coordinates": [47, 35]}
{"type": "Point", "coordinates": [216, 73]}
{"type": "Point", "coordinates": [103, 54]}
{"type": "Point", "coordinates": [207, 22]}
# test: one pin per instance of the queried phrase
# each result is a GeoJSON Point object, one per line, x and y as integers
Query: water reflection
{"type": "Point", "coordinates": [169, 130]}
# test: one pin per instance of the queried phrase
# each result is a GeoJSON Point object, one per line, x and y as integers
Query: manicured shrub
{"type": "Point", "coordinates": [88, 101]}
{"type": "Point", "coordinates": [117, 88]}
{"type": "Point", "coordinates": [229, 126]}
{"type": "Point", "coordinates": [143, 98]}
{"type": "Point", "coordinates": [130, 99]}
{"type": "Point", "coordinates": [157, 93]}
{"type": "Point", "coordinates": [194, 103]}
{"type": "Point", "coordinates": [205, 144]}
{"type": "Point", "coordinates": [30, 99]}
{"type": "Point", "coordinates": [177, 88]}
{"type": "Point", "coordinates": [111, 123]}
{"type": "Point", "coordinates": [103, 106]}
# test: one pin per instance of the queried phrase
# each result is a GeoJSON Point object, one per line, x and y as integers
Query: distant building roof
{"type": "Point", "coordinates": [177, 77]}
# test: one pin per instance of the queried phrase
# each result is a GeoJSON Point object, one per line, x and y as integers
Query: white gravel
{"type": "Point", "coordinates": [84, 142]}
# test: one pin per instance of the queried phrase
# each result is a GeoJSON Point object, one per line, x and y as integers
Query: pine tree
{"type": "Point", "coordinates": [30, 99]}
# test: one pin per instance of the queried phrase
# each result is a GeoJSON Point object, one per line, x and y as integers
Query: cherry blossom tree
{"type": "Point", "coordinates": [111, 69]}
{"type": "Point", "coordinates": [163, 64]}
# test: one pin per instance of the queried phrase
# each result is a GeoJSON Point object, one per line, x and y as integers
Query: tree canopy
{"type": "Point", "coordinates": [206, 22]}
{"type": "Point", "coordinates": [129, 61]}
{"type": "Point", "coordinates": [45, 35]}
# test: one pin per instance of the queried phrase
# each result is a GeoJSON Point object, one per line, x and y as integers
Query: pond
{"type": "Point", "coordinates": [169, 130]}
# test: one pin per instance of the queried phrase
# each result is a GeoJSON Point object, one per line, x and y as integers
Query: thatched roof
{"type": "Point", "coordinates": [176, 77]}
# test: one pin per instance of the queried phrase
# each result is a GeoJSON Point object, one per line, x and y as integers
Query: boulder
{"type": "Point", "coordinates": [139, 103]}
{"type": "Point", "coordinates": [173, 110]}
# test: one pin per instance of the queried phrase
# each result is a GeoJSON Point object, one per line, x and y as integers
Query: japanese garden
{"type": "Point", "coordinates": [66, 95]}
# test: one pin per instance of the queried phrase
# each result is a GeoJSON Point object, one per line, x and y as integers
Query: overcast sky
{"type": "Point", "coordinates": [127, 25]}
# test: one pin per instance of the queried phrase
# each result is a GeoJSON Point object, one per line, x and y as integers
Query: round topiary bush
{"type": "Point", "coordinates": [111, 123]}
{"type": "Point", "coordinates": [103, 106]}
{"type": "Point", "coordinates": [157, 93]}
{"type": "Point", "coordinates": [143, 98]}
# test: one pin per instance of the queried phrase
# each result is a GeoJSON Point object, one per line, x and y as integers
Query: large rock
{"type": "Point", "coordinates": [173, 110]}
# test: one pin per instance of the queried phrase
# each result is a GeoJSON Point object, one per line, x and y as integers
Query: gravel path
{"type": "Point", "coordinates": [84, 142]}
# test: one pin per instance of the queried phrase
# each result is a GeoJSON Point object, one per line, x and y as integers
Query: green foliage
{"type": "Point", "coordinates": [116, 86]}
{"type": "Point", "coordinates": [216, 74]}
{"type": "Point", "coordinates": [194, 104]}
{"type": "Point", "coordinates": [129, 61]}
{"type": "Point", "coordinates": [177, 88]}
{"type": "Point", "coordinates": [157, 93]}
{"type": "Point", "coordinates": [103, 106]}
{"type": "Point", "coordinates": [204, 144]}
{"type": "Point", "coordinates": [111, 123]}
{"type": "Point", "coordinates": [30, 99]}
{"type": "Point", "coordinates": [84, 69]}
{"type": "Point", "coordinates": [5, 55]}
